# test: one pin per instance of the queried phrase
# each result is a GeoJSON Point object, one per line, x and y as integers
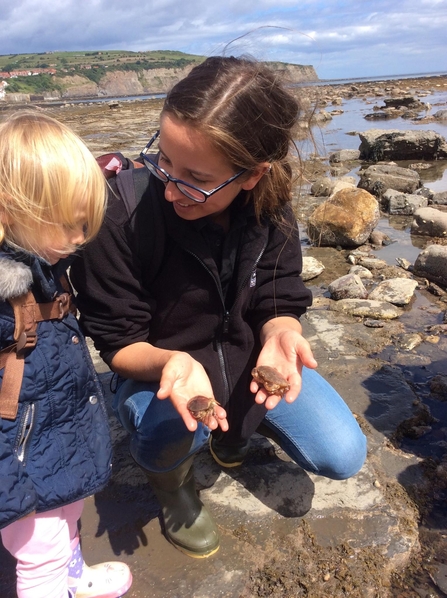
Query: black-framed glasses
{"type": "Point", "coordinates": [191, 191]}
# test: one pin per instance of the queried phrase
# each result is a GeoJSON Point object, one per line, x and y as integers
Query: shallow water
{"type": "Point", "coordinates": [338, 134]}
{"type": "Point", "coordinates": [342, 132]}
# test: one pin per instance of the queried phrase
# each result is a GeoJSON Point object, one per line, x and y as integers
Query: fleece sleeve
{"type": "Point", "coordinates": [115, 308]}
{"type": "Point", "coordinates": [280, 290]}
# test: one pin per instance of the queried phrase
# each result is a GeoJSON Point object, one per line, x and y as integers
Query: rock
{"type": "Point", "coordinates": [368, 308]}
{"type": "Point", "coordinates": [439, 576]}
{"type": "Point", "coordinates": [438, 198]}
{"type": "Point", "coordinates": [425, 192]}
{"type": "Point", "coordinates": [311, 268]}
{"type": "Point", "coordinates": [345, 155]}
{"type": "Point", "coordinates": [349, 286]}
{"type": "Point", "coordinates": [343, 184]}
{"type": "Point", "coordinates": [405, 204]}
{"type": "Point", "coordinates": [381, 115]}
{"type": "Point", "coordinates": [379, 238]}
{"type": "Point", "coordinates": [322, 187]}
{"type": "Point", "coordinates": [322, 116]}
{"type": "Point", "coordinates": [408, 341]}
{"type": "Point", "coordinates": [431, 263]}
{"type": "Point", "coordinates": [404, 263]}
{"type": "Point", "coordinates": [406, 101]}
{"type": "Point", "coordinates": [372, 263]}
{"type": "Point", "coordinates": [361, 272]}
{"type": "Point", "coordinates": [438, 387]}
{"type": "Point", "coordinates": [398, 291]}
{"type": "Point", "coordinates": [420, 166]}
{"type": "Point", "coordinates": [346, 219]}
{"type": "Point", "coordinates": [430, 222]}
{"type": "Point", "coordinates": [381, 177]}
{"type": "Point", "coordinates": [440, 115]}
{"type": "Point", "coordinates": [379, 144]}
{"type": "Point", "coordinates": [370, 323]}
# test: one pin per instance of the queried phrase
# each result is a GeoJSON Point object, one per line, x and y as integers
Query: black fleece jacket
{"type": "Point", "coordinates": [153, 278]}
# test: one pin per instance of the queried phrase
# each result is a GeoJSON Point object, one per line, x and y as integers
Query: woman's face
{"type": "Point", "coordinates": [187, 154]}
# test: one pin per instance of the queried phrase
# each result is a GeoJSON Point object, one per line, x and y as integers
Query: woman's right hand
{"type": "Point", "coordinates": [183, 378]}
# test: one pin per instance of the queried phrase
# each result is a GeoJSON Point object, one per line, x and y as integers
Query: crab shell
{"type": "Point", "coordinates": [200, 407]}
{"type": "Point", "coordinates": [273, 382]}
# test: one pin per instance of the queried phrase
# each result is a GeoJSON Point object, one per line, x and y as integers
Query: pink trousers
{"type": "Point", "coordinates": [43, 545]}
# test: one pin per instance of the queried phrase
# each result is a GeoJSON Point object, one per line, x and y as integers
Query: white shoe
{"type": "Point", "coordinates": [105, 580]}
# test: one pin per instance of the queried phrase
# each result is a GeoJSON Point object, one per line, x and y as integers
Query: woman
{"type": "Point", "coordinates": [202, 285]}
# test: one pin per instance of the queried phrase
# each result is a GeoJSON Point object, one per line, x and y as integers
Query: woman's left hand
{"type": "Point", "coordinates": [286, 350]}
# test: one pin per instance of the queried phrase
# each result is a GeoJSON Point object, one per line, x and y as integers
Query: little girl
{"type": "Point", "coordinates": [55, 446]}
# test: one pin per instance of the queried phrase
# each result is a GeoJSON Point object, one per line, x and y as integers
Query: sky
{"type": "Point", "coordinates": [341, 38]}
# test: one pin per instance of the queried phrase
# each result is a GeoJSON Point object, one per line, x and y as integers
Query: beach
{"type": "Point", "coordinates": [286, 533]}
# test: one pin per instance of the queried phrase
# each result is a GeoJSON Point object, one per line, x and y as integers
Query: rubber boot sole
{"type": "Point", "coordinates": [194, 555]}
{"type": "Point", "coordinates": [222, 463]}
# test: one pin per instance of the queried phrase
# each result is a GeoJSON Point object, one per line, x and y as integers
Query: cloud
{"type": "Point", "coordinates": [341, 39]}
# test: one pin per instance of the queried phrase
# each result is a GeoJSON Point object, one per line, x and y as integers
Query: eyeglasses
{"type": "Point", "coordinates": [191, 191]}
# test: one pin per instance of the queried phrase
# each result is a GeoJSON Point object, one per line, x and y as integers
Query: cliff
{"type": "Point", "coordinates": [133, 83]}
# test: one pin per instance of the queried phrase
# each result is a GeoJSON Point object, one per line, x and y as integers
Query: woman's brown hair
{"type": "Point", "coordinates": [249, 115]}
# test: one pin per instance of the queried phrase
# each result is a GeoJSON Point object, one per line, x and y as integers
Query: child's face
{"type": "Point", "coordinates": [53, 242]}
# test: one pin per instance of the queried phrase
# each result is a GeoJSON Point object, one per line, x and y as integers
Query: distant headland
{"type": "Point", "coordinates": [111, 73]}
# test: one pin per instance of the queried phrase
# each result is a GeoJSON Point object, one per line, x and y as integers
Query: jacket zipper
{"type": "Point", "coordinates": [226, 316]}
{"type": "Point", "coordinates": [261, 253]}
{"type": "Point", "coordinates": [25, 431]}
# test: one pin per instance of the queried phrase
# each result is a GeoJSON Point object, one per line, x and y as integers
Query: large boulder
{"type": "Point", "coordinates": [346, 219]}
{"type": "Point", "coordinates": [429, 222]}
{"type": "Point", "coordinates": [379, 144]}
{"type": "Point", "coordinates": [398, 291]}
{"type": "Point", "coordinates": [379, 178]}
{"type": "Point", "coordinates": [404, 101]}
{"type": "Point", "coordinates": [431, 263]}
{"type": "Point", "coordinates": [349, 286]}
{"type": "Point", "coordinates": [404, 204]}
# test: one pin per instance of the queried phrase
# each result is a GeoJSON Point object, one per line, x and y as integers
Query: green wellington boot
{"type": "Point", "coordinates": [188, 524]}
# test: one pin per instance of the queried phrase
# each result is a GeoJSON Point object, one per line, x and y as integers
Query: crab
{"type": "Point", "coordinates": [273, 382]}
{"type": "Point", "coordinates": [200, 407]}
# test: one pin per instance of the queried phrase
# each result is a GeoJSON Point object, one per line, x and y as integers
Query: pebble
{"type": "Point", "coordinates": [370, 323]}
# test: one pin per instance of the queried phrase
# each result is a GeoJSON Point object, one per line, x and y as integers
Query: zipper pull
{"type": "Point", "coordinates": [226, 322]}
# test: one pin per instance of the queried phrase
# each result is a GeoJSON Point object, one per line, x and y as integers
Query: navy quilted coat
{"type": "Point", "coordinates": [58, 449]}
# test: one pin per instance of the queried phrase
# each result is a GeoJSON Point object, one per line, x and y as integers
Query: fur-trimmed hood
{"type": "Point", "coordinates": [15, 278]}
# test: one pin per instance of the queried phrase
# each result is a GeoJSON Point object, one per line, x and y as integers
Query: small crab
{"type": "Point", "coordinates": [273, 382]}
{"type": "Point", "coordinates": [200, 407]}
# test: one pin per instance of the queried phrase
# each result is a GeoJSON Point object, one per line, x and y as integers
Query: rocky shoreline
{"type": "Point", "coordinates": [378, 328]}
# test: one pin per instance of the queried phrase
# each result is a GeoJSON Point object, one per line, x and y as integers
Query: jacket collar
{"type": "Point", "coordinates": [32, 272]}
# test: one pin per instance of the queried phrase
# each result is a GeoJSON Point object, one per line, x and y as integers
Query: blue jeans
{"type": "Point", "coordinates": [317, 430]}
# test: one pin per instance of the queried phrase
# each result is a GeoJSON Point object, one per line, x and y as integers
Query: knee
{"type": "Point", "coordinates": [347, 459]}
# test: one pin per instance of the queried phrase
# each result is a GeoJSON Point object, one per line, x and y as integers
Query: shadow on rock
{"type": "Point", "coordinates": [264, 485]}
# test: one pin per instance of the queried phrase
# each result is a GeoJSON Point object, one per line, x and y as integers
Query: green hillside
{"type": "Point", "coordinates": [92, 65]}
{"type": "Point", "coordinates": [109, 58]}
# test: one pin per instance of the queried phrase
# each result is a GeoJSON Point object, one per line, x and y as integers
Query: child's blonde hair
{"type": "Point", "coordinates": [46, 171]}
